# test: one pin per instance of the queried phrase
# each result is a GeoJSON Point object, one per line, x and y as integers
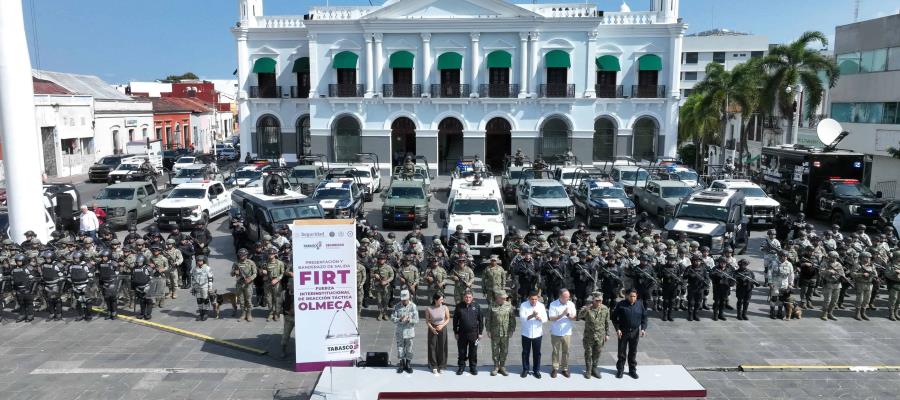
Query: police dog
{"type": "Point", "coordinates": [223, 298]}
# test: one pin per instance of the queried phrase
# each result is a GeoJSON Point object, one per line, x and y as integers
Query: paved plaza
{"type": "Point", "coordinates": [122, 360]}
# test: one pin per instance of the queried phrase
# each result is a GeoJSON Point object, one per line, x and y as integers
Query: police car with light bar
{"type": "Point", "coordinates": [340, 198]}
{"type": "Point", "coordinates": [603, 203]}
{"type": "Point", "coordinates": [714, 218]}
{"type": "Point", "coordinates": [478, 207]}
{"type": "Point", "coordinates": [192, 204]}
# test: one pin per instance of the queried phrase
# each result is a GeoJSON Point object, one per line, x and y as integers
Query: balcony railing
{"type": "Point", "coordinates": [609, 91]}
{"type": "Point", "coordinates": [402, 90]}
{"type": "Point", "coordinates": [449, 91]}
{"type": "Point", "coordinates": [299, 92]}
{"type": "Point", "coordinates": [498, 90]}
{"type": "Point", "coordinates": [557, 90]}
{"type": "Point", "coordinates": [265, 92]}
{"type": "Point", "coordinates": [648, 91]}
{"type": "Point", "coordinates": [346, 90]}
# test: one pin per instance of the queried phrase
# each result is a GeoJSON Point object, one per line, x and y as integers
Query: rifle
{"type": "Point", "coordinates": [645, 274]}
{"type": "Point", "coordinates": [607, 274]}
{"type": "Point", "coordinates": [557, 274]}
{"type": "Point", "coordinates": [744, 277]}
{"type": "Point", "coordinates": [586, 273]}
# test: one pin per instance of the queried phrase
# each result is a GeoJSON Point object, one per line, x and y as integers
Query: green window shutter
{"type": "Point", "coordinates": [345, 59]}
{"type": "Point", "coordinates": [608, 63]}
{"type": "Point", "coordinates": [450, 60]}
{"type": "Point", "coordinates": [650, 62]}
{"type": "Point", "coordinates": [264, 65]}
{"type": "Point", "coordinates": [301, 65]}
{"type": "Point", "coordinates": [557, 59]}
{"type": "Point", "coordinates": [402, 59]}
{"type": "Point", "coordinates": [499, 59]}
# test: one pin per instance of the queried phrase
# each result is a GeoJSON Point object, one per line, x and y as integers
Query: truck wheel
{"type": "Point", "coordinates": [132, 218]}
{"type": "Point", "coordinates": [837, 218]}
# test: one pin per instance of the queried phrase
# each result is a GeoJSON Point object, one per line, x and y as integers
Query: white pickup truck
{"type": "Point", "coordinates": [193, 204]}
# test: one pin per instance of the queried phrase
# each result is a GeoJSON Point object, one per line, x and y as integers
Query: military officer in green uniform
{"type": "Point", "coordinates": [863, 277]}
{"type": "Point", "coordinates": [162, 267]}
{"type": "Point", "coordinates": [272, 274]}
{"type": "Point", "coordinates": [408, 278]}
{"type": "Point", "coordinates": [493, 279]}
{"type": "Point", "coordinates": [244, 270]}
{"type": "Point", "coordinates": [463, 279]}
{"type": "Point", "coordinates": [501, 324]}
{"type": "Point", "coordinates": [360, 284]}
{"type": "Point", "coordinates": [435, 276]}
{"type": "Point", "coordinates": [596, 333]}
{"type": "Point", "coordinates": [892, 276]}
{"type": "Point", "coordinates": [382, 278]}
{"type": "Point", "coordinates": [173, 255]}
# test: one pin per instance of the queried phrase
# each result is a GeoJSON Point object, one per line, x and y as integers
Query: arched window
{"type": "Point", "coordinates": [347, 136]}
{"type": "Point", "coordinates": [268, 137]}
{"type": "Point", "coordinates": [604, 139]}
{"type": "Point", "coordinates": [554, 137]}
{"type": "Point", "coordinates": [303, 137]}
{"type": "Point", "coordinates": [645, 131]}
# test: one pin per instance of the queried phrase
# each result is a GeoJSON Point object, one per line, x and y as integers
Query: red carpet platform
{"type": "Point", "coordinates": [384, 383]}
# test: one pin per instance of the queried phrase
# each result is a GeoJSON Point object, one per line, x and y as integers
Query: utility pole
{"type": "Point", "coordinates": [856, 10]}
{"type": "Point", "coordinates": [21, 160]}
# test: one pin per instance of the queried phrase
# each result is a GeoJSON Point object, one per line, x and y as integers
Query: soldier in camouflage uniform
{"type": "Point", "coordinates": [408, 276]}
{"type": "Point", "coordinates": [161, 265]}
{"type": "Point", "coordinates": [382, 277]}
{"type": "Point", "coordinates": [596, 333]}
{"type": "Point", "coordinates": [435, 276]}
{"type": "Point", "coordinates": [463, 279]}
{"type": "Point", "coordinates": [360, 284]}
{"type": "Point", "coordinates": [500, 324]}
{"type": "Point", "coordinates": [175, 258]}
{"type": "Point", "coordinates": [832, 276]}
{"type": "Point", "coordinates": [864, 277]}
{"type": "Point", "coordinates": [244, 271]}
{"type": "Point", "coordinates": [493, 279]}
{"type": "Point", "coordinates": [272, 273]}
{"type": "Point", "coordinates": [892, 276]}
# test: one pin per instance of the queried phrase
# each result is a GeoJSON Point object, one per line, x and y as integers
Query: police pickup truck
{"type": "Point", "coordinates": [340, 196]}
{"type": "Point", "coordinates": [192, 204]}
{"type": "Point", "coordinates": [714, 218]}
{"type": "Point", "coordinates": [758, 205]}
{"type": "Point", "coordinates": [544, 202]}
{"type": "Point", "coordinates": [603, 203]}
{"type": "Point", "coordinates": [478, 207]}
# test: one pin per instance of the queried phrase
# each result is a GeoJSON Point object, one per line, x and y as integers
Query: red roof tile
{"type": "Point", "coordinates": [42, 86]}
{"type": "Point", "coordinates": [175, 104]}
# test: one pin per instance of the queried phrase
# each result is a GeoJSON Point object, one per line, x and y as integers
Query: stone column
{"type": "Point", "coordinates": [523, 64]}
{"type": "Point", "coordinates": [244, 68]}
{"type": "Point", "coordinates": [590, 76]}
{"type": "Point", "coordinates": [370, 71]}
{"type": "Point", "coordinates": [674, 61]}
{"type": "Point", "coordinates": [378, 66]}
{"type": "Point", "coordinates": [21, 153]}
{"type": "Point", "coordinates": [426, 63]}
{"type": "Point", "coordinates": [534, 62]}
{"type": "Point", "coordinates": [476, 63]}
{"type": "Point", "coordinates": [314, 77]}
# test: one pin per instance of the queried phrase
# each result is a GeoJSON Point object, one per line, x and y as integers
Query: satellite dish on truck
{"type": "Point", "coordinates": [830, 133]}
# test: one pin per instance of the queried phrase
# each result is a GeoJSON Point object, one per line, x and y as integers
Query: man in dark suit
{"type": "Point", "coordinates": [630, 320]}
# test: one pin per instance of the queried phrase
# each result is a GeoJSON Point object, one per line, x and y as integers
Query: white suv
{"type": "Point", "coordinates": [757, 204]}
{"type": "Point", "coordinates": [193, 204]}
{"type": "Point", "coordinates": [479, 209]}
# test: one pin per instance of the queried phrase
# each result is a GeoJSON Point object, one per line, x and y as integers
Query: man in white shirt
{"type": "Point", "coordinates": [88, 222]}
{"type": "Point", "coordinates": [562, 312]}
{"type": "Point", "coordinates": [533, 315]}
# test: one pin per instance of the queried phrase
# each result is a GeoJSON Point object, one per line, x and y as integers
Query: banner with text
{"type": "Point", "coordinates": [325, 316]}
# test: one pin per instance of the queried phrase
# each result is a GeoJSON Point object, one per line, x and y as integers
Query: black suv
{"type": "Point", "coordinates": [99, 172]}
{"type": "Point", "coordinates": [847, 201]}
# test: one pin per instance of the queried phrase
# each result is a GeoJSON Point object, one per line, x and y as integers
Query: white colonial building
{"type": "Point", "coordinates": [453, 78]}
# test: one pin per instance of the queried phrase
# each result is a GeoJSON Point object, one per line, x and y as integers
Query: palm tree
{"type": "Point", "coordinates": [725, 91]}
{"type": "Point", "coordinates": [793, 64]}
{"type": "Point", "coordinates": [698, 124]}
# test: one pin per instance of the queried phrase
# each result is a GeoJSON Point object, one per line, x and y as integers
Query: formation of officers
{"type": "Point", "coordinates": [139, 272]}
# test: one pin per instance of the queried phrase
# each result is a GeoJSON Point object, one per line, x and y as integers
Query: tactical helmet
{"type": "Point", "coordinates": [88, 240]}
{"type": "Point", "coordinates": [865, 254]}
{"type": "Point", "coordinates": [413, 240]}
{"type": "Point", "coordinates": [47, 254]}
{"type": "Point", "coordinates": [76, 256]}
{"type": "Point", "coordinates": [140, 260]}
{"type": "Point", "coordinates": [861, 227]}
{"type": "Point", "coordinates": [170, 241]}
{"type": "Point", "coordinates": [30, 234]}
{"type": "Point", "coordinates": [104, 253]}
{"type": "Point", "coordinates": [532, 228]}
{"type": "Point", "coordinates": [743, 261]}
{"type": "Point", "coordinates": [273, 251]}
{"type": "Point", "coordinates": [114, 242]}
{"type": "Point", "coordinates": [728, 249]}
{"type": "Point", "coordinates": [242, 252]}
{"type": "Point", "coordinates": [770, 232]}
{"type": "Point", "coordinates": [19, 258]}
{"type": "Point", "coordinates": [132, 228]}
{"type": "Point", "coordinates": [155, 247]}
{"type": "Point", "coordinates": [459, 228]}
{"type": "Point", "coordinates": [201, 258]}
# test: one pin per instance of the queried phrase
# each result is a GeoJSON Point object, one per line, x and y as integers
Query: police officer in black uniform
{"type": "Point", "coordinates": [140, 283]}
{"type": "Point", "coordinates": [53, 276]}
{"type": "Point", "coordinates": [109, 283]}
{"type": "Point", "coordinates": [746, 281]}
{"type": "Point", "coordinates": [23, 283]}
{"type": "Point", "coordinates": [81, 276]}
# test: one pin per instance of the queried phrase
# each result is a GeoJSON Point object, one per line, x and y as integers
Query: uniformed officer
{"type": "Point", "coordinates": [493, 278]}
{"type": "Point", "coordinates": [596, 332]}
{"type": "Point", "coordinates": [721, 285]}
{"type": "Point", "coordinates": [288, 312]}
{"type": "Point", "coordinates": [244, 271]}
{"type": "Point", "coordinates": [892, 277]}
{"type": "Point", "coordinates": [160, 265]}
{"type": "Point", "coordinates": [408, 276]}
{"type": "Point", "coordinates": [141, 276]}
{"type": "Point", "coordinates": [23, 284]}
{"type": "Point", "coordinates": [109, 283]}
{"type": "Point", "coordinates": [864, 276]}
{"type": "Point", "coordinates": [781, 277]}
{"type": "Point", "coordinates": [463, 279]}
{"type": "Point", "coordinates": [360, 284]}
{"type": "Point", "coordinates": [409, 168]}
{"type": "Point", "coordinates": [174, 259]}
{"type": "Point", "coordinates": [201, 286]}
{"type": "Point", "coordinates": [81, 276]}
{"type": "Point", "coordinates": [833, 275]}
{"type": "Point", "coordinates": [272, 274]}
{"type": "Point", "coordinates": [435, 276]}
{"type": "Point", "coordinates": [745, 282]}
{"type": "Point", "coordinates": [53, 276]}
{"type": "Point", "coordinates": [382, 278]}
{"type": "Point", "coordinates": [500, 324]}
{"type": "Point", "coordinates": [670, 279]}
{"type": "Point", "coordinates": [405, 317]}
{"type": "Point", "coordinates": [697, 281]}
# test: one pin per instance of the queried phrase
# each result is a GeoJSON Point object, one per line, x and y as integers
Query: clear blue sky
{"type": "Point", "coordinates": [122, 40]}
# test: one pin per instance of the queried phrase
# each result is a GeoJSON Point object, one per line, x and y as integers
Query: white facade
{"type": "Point", "coordinates": [718, 45]}
{"type": "Point", "coordinates": [464, 117]}
{"type": "Point", "coordinates": [64, 130]}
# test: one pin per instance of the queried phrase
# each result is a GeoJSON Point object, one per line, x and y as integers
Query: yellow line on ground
{"type": "Point", "coordinates": [820, 367]}
{"type": "Point", "coordinates": [183, 332]}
